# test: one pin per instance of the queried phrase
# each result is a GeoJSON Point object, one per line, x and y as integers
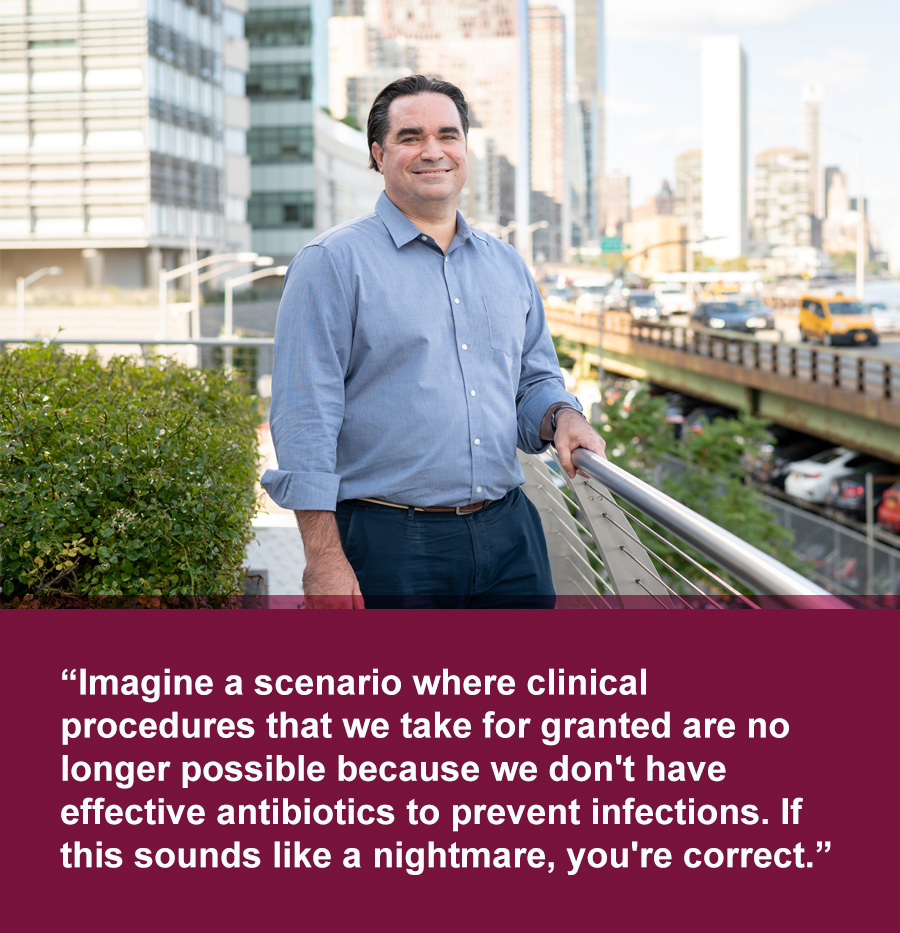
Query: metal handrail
{"type": "Point", "coordinates": [146, 341]}
{"type": "Point", "coordinates": [763, 574]}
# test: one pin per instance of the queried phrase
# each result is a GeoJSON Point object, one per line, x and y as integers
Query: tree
{"type": "Point", "coordinates": [702, 471]}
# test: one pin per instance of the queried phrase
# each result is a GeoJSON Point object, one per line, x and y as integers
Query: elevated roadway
{"type": "Point", "coordinates": [850, 397]}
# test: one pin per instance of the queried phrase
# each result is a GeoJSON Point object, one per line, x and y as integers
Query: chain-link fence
{"type": "Point", "coordinates": [842, 560]}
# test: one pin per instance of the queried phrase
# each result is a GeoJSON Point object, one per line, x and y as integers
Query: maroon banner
{"type": "Point", "coordinates": [247, 770]}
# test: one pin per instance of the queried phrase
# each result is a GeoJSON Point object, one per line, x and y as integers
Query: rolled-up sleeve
{"type": "Point", "coordinates": [541, 382]}
{"type": "Point", "coordinates": [313, 338]}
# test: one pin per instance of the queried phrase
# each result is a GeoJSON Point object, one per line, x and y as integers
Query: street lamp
{"type": "Point", "coordinates": [503, 232]}
{"type": "Point", "coordinates": [21, 284]}
{"type": "Point", "coordinates": [219, 272]}
{"type": "Point", "coordinates": [230, 284]}
{"type": "Point", "coordinates": [681, 242]}
{"type": "Point", "coordinates": [193, 267]}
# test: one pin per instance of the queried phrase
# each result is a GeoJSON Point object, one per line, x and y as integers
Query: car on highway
{"type": "Point", "coordinates": [674, 298]}
{"type": "Point", "coordinates": [836, 319]}
{"type": "Point", "coordinates": [809, 480]}
{"type": "Point", "coordinates": [701, 417]}
{"type": "Point", "coordinates": [746, 315]}
{"type": "Point", "coordinates": [885, 316]}
{"type": "Point", "coordinates": [642, 304]}
{"type": "Point", "coordinates": [769, 464]}
{"type": "Point", "coordinates": [888, 514]}
{"type": "Point", "coordinates": [847, 494]}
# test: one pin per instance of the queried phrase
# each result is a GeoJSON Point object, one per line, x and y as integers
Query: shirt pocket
{"type": "Point", "coordinates": [506, 319]}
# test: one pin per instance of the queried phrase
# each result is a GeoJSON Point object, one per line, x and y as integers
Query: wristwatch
{"type": "Point", "coordinates": [558, 410]}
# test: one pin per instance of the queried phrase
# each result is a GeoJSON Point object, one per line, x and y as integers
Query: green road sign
{"type": "Point", "coordinates": [613, 244]}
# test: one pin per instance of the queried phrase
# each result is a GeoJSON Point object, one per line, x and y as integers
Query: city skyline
{"type": "Point", "coordinates": [654, 81]}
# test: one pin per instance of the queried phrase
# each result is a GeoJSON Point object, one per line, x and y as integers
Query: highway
{"type": "Point", "coordinates": [787, 331]}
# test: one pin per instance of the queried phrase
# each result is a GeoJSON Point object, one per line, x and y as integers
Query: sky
{"type": "Point", "coordinates": [850, 47]}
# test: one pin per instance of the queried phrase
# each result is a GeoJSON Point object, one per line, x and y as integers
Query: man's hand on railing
{"type": "Point", "coordinates": [574, 431]}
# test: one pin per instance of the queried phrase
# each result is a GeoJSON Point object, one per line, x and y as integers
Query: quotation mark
{"type": "Point", "coordinates": [823, 847]}
{"type": "Point", "coordinates": [69, 674]}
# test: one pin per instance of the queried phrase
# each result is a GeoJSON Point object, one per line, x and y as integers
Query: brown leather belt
{"type": "Point", "coordinates": [459, 510]}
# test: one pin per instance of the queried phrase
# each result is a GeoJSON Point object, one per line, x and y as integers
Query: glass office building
{"type": "Point", "coordinates": [123, 137]}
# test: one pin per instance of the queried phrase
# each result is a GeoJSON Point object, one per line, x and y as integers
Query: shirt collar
{"type": "Point", "coordinates": [403, 230]}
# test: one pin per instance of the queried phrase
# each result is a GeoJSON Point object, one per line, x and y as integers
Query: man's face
{"type": "Point", "coordinates": [424, 156]}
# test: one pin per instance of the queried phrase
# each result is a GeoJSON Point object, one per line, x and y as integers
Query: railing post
{"type": "Point", "coordinates": [560, 530]}
{"type": "Point", "coordinates": [627, 562]}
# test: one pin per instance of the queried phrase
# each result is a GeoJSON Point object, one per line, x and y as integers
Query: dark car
{"type": "Point", "coordinates": [700, 417]}
{"type": "Point", "coordinates": [747, 315]}
{"type": "Point", "coordinates": [848, 493]}
{"type": "Point", "coordinates": [642, 305]}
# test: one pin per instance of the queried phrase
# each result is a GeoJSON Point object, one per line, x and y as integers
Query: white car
{"type": "Point", "coordinates": [808, 480]}
{"type": "Point", "coordinates": [885, 316]}
{"type": "Point", "coordinates": [674, 298]}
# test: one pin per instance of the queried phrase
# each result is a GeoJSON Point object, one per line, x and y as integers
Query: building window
{"type": "Point", "coordinates": [286, 80]}
{"type": "Point", "coordinates": [273, 209]}
{"type": "Point", "coordinates": [279, 27]}
{"type": "Point", "coordinates": [234, 82]}
{"type": "Point", "coordinates": [232, 24]}
{"type": "Point", "coordinates": [236, 210]}
{"type": "Point", "coordinates": [235, 141]}
{"type": "Point", "coordinates": [289, 144]}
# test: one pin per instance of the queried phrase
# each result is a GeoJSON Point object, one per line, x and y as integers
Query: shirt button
{"type": "Point", "coordinates": [425, 239]}
{"type": "Point", "coordinates": [446, 259]}
{"type": "Point", "coordinates": [477, 489]}
{"type": "Point", "coordinates": [456, 301]}
{"type": "Point", "coordinates": [472, 392]}
{"type": "Point", "coordinates": [465, 346]}
{"type": "Point", "coordinates": [477, 441]}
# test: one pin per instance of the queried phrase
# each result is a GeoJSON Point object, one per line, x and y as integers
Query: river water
{"type": "Point", "coordinates": [886, 290]}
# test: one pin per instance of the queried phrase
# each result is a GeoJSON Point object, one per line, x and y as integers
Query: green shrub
{"type": "Point", "coordinates": [122, 479]}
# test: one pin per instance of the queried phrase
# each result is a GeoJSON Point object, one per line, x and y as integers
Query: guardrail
{"type": "Point", "coordinates": [626, 567]}
{"type": "Point", "coordinates": [145, 343]}
{"type": "Point", "coordinates": [863, 374]}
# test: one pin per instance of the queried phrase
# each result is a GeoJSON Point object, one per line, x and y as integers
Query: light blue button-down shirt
{"type": "Point", "coordinates": [405, 374]}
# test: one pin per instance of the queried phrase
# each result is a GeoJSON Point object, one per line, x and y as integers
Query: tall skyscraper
{"type": "Point", "coordinates": [781, 215]}
{"type": "Point", "coordinates": [590, 77]}
{"type": "Point", "coordinates": [309, 171]}
{"type": "Point", "coordinates": [812, 112]}
{"type": "Point", "coordinates": [547, 45]}
{"type": "Point", "coordinates": [618, 202]}
{"type": "Point", "coordinates": [830, 173]}
{"type": "Point", "coordinates": [724, 145]}
{"type": "Point", "coordinates": [122, 137]}
{"type": "Point", "coordinates": [689, 193]}
{"type": "Point", "coordinates": [281, 139]}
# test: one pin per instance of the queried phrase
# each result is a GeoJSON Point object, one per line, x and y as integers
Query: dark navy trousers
{"type": "Point", "coordinates": [492, 559]}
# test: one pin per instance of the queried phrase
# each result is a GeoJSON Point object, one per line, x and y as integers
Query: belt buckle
{"type": "Point", "coordinates": [459, 510]}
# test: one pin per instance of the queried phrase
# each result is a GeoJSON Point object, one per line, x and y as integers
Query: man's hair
{"type": "Point", "coordinates": [379, 123]}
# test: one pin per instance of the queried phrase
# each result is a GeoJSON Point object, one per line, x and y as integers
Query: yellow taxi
{"type": "Point", "coordinates": [835, 319]}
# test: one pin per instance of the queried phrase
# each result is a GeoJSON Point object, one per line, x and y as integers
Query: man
{"type": "Point", "coordinates": [411, 358]}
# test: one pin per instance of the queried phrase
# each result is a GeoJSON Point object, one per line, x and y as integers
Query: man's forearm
{"type": "Point", "coordinates": [328, 579]}
{"type": "Point", "coordinates": [320, 534]}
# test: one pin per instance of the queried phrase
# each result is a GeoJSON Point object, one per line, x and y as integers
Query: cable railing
{"type": "Point", "coordinates": [597, 555]}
